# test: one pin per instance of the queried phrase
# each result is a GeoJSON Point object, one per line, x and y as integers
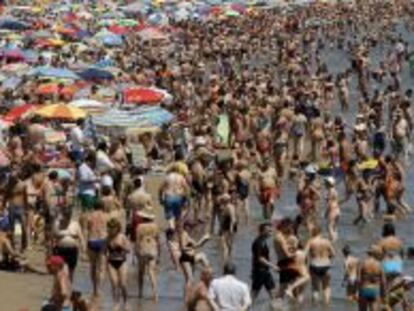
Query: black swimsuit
{"type": "Point", "coordinates": [116, 256]}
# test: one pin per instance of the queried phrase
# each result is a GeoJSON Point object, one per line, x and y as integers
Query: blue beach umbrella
{"type": "Point", "coordinates": [12, 24]}
{"type": "Point", "coordinates": [108, 38]}
{"type": "Point", "coordinates": [96, 74]}
{"type": "Point", "coordinates": [53, 72]}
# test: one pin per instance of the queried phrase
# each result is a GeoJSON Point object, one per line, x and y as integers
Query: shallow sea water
{"type": "Point", "coordinates": [171, 282]}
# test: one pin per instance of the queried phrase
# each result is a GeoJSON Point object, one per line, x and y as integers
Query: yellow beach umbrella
{"type": "Point", "coordinates": [61, 111]}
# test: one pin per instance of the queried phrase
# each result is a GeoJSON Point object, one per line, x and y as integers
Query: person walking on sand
{"type": "Point", "coordinates": [229, 293]}
{"type": "Point", "coordinates": [333, 210]}
{"type": "Point", "coordinates": [261, 263]}
{"type": "Point", "coordinates": [320, 253]}
{"type": "Point", "coordinates": [173, 195]}
{"type": "Point", "coordinates": [371, 282]}
{"type": "Point", "coordinates": [351, 264]}
{"type": "Point", "coordinates": [117, 250]}
{"type": "Point", "coordinates": [198, 299]}
{"type": "Point", "coordinates": [62, 288]}
{"type": "Point", "coordinates": [148, 249]}
{"type": "Point", "coordinates": [96, 243]}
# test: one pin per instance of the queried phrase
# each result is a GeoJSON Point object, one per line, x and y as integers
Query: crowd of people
{"type": "Point", "coordinates": [267, 76]}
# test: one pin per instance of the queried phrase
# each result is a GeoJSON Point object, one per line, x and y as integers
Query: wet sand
{"type": "Point", "coordinates": [24, 291]}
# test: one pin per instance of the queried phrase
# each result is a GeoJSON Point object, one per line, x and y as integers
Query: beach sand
{"type": "Point", "coordinates": [27, 291]}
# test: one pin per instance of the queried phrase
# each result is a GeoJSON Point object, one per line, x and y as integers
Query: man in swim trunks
{"type": "Point", "coordinates": [87, 185]}
{"type": "Point", "coordinates": [173, 195]}
{"type": "Point", "coordinates": [371, 281]}
{"type": "Point", "coordinates": [268, 188]}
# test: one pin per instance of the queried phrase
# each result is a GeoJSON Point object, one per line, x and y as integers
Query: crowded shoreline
{"type": "Point", "coordinates": [276, 132]}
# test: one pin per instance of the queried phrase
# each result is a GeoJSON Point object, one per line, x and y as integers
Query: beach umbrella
{"type": "Point", "coordinates": [143, 117]}
{"type": "Point", "coordinates": [108, 38]}
{"type": "Point", "coordinates": [214, 2]}
{"type": "Point", "coordinates": [53, 72]}
{"type": "Point", "coordinates": [119, 30]}
{"type": "Point", "coordinates": [19, 112]}
{"type": "Point", "coordinates": [55, 88]}
{"type": "Point", "coordinates": [14, 54]}
{"type": "Point", "coordinates": [106, 22]}
{"type": "Point", "coordinates": [142, 95]}
{"type": "Point", "coordinates": [15, 68]}
{"type": "Point", "coordinates": [61, 111]}
{"type": "Point", "coordinates": [91, 106]}
{"type": "Point", "coordinates": [158, 19]}
{"type": "Point", "coordinates": [12, 24]}
{"type": "Point", "coordinates": [113, 15]}
{"type": "Point", "coordinates": [11, 83]}
{"type": "Point", "coordinates": [232, 13]}
{"type": "Point", "coordinates": [216, 10]}
{"type": "Point", "coordinates": [96, 74]}
{"type": "Point", "coordinates": [153, 116]}
{"type": "Point", "coordinates": [31, 56]}
{"type": "Point", "coordinates": [41, 34]}
{"type": "Point", "coordinates": [181, 15]}
{"type": "Point", "coordinates": [128, 22]}
{"type": "Point", "coordinates": [105, 63]}
{"type": "Point", "coordinates": [149, 34]}
{"type": "Point", "coordinates": [135, 7]}
{"type": "Point", "coordinates": [238, 7]}
{"type": "Point", "coordinates": [49, 43]}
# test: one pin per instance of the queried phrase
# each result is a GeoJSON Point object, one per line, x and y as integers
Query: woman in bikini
{"type": "Point", "coordinates": [189, 255]}
{"type": "Point", "coordinates": [228, 224]}
{"type": "Point", "coordinates": [333, 210]}
{"type": "Point", "coordinates": [96, 237]}
{"type": "Point", "coordinates": [116, 252]}
{"type": "Point", "coordinates": [33, 200]}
